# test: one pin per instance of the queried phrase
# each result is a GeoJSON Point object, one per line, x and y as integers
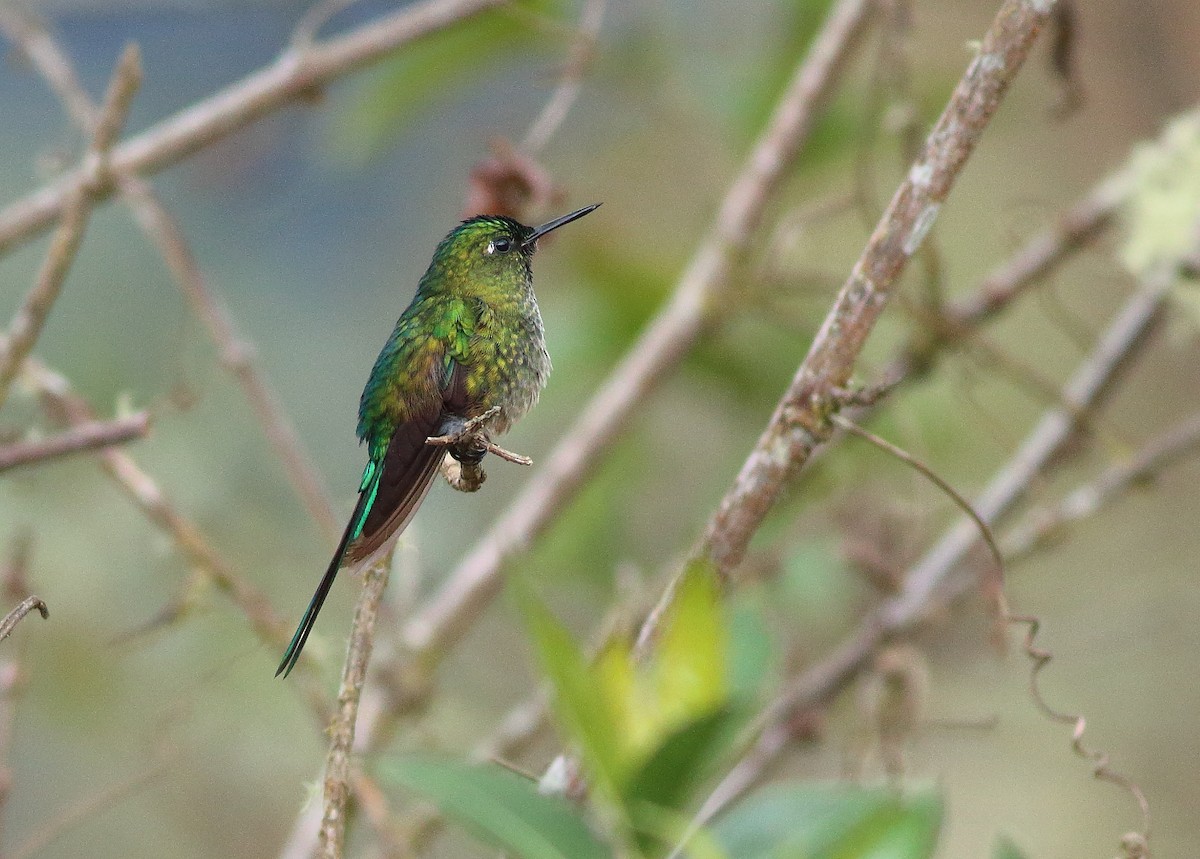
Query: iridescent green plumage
{"type": "Point", "coordinates": [470, 340]}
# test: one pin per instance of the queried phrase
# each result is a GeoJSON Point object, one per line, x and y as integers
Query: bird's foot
{"type": "Point", "coordinates": [463, 476]}
{"type": "Point", "coordinates": [468, 441]}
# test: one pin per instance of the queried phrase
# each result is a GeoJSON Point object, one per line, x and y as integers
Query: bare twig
{"type": "Point", "coordinates": [1045, 524]}
{"type": "Point", "coordinates": [18, 614]}
{"type": "Point", "coordinates": [996, 589]}
{"type": "Point", "coordinates": [164, 230]}
{"type": "Point", "coordinates": [338, 763]}
{"type": "Point", "coordinates": [292, 77]}
{"type": "Point", "coordinates": [693, 308]}
{"type": "Point", "coordinates": [85, 437]}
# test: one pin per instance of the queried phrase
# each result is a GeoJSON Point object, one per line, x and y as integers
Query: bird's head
{"type": "Point", "coordinates": [493, 249]}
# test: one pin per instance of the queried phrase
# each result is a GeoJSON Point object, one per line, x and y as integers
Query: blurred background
{"type": "Point", "coordinates": [313, 226]}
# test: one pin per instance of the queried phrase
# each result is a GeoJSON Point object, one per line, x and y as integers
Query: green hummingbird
{"type": "Point", "coordinates": [469, 346]}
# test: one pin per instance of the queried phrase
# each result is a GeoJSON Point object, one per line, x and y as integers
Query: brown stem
{"type": "Point", "coordinates": [338, 764]}
{"type": "Point", "coordinates": [939, 576]}
{"type": "Point", "coordinates": [85, 437]}
{"type": "Point", "coordinates": [10, 621]}
{"type": "Point", "coordinates": [800, 420]}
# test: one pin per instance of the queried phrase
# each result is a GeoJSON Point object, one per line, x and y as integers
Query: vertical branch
{"type": "Point", "coordinates": [338, 764]}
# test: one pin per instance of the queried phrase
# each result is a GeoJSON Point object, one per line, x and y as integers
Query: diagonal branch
{"type": "Point", "coordinates": [800, 421]}
{"type": "Point", "coordinates": [71, 409]}
{"type": "Point", "coordinates": [84, 437]}
{"type": "Point", "coordinates": [10, 621]}
{"type": "Point", "coordinates": [163, 229]}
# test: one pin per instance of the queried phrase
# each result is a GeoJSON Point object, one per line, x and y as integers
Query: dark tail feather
{"type": "Point", "coordinates": [314, 606]}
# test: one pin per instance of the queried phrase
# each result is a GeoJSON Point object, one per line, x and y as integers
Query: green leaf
{"type": "Point", "coordinates": [1006, 848]}
{"type": "Point", "coordinates": [578, 701]}
{"type": "Point", "coordinates": [692, 648]}
{"type": "Point", "coordinates": [832, 822]}
{"type": "Point", "coordinates": [674, 769]}
{"type": "Point", "coordinates": [500, 808]}
{"type": "Point", "coordinates": [751, 648]}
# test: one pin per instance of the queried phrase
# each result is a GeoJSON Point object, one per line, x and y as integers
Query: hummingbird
{"type": "Point", "coordinates": [468, 352]}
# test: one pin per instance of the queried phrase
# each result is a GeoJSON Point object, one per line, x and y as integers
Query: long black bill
{"type": "Point", "coordinates": [538, 232]}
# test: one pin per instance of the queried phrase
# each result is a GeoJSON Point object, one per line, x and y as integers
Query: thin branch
{"type": "Point", "coordinates": [164, 230]}
{"type": "Point", "coordinates": [85, 437]}
{"type": "Point", "coordinates": [338, 764]}
{"type": "Point", "coordinates": [997, 584]}
{"type": "Point", "coordinates": [294, 76]}
{"type": "Point", "coordinates": [1042, 526]}
{"type": "Point", "coordinates": [18, 614]}
{"type": "Point", "coordinates": [567, 91]}
{"type": "Point", "coordinates": [31, 316]}
{"type": "Point", "coordinates": [694, 307]}
{"type": "Point", "coordinates": [800, 421]}
{"type": "Point", "coordinates": [940, 576]}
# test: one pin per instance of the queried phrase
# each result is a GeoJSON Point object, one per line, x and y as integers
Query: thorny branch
{"type": "Point", "coordinates": [85, 437]}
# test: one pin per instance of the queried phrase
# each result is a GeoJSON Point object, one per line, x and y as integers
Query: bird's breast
{"type": "Point", "coordinates": [513, 367]}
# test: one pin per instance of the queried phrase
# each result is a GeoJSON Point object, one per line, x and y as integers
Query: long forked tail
{"type": "Point", "coordinates": [314, 606]}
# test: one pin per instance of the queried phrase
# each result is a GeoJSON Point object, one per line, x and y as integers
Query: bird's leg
{"type": "Point", "coordinates": [467, 442]}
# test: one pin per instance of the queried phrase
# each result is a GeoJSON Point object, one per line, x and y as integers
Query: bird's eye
{"type": "Point", "coordinates": [499, 246]}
